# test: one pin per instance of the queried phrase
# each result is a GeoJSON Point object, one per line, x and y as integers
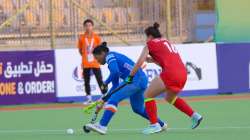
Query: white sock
{"type": "Point", "coordinates": [156, 124]}
{"type": "Point", "coordinates": [196, 116]}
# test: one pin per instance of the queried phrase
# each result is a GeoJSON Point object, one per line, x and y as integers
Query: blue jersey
{"type": "Point", "coordinates": [120, 66]}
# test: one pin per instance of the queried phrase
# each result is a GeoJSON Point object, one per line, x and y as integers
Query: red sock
{"type": "Point", "coordinates": [151, 110]}
{"type": "Point", "coordinates": [183, 106]}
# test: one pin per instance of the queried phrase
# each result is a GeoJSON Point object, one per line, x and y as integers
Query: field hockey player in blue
{"type": "Point", "coordinates": [120, 66]}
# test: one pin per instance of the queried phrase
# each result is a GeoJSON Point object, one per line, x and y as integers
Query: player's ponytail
{"type": "Point", "coordinates": [101, 48]}
{"type": "Point", "coordinates": [153, 31]}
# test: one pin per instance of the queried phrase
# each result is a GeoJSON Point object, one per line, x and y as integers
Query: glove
{"type": "Point", "coordinates": [104, 88]}
{"type": "Point", "coordinates": [129, 79]}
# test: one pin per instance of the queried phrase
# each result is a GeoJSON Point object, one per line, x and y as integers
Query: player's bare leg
{"type": "Point", "coordinates": [155, 88]}
{"type": "Point", "coordinates": [181, 105]}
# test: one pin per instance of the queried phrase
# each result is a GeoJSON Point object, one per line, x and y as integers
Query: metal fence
{"type": "Point", "coordinates": [43, 24]}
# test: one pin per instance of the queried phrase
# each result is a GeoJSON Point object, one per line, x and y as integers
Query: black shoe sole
{"type": "Point", "coordinates": [85, 129]}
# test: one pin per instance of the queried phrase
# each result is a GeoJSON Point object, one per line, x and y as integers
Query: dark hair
{"type": "Point", "coordinates": [88, 21]}
{"type": "Point", "coordinates": [101, 48]}
{"type": "Point", "coordinates": [153, 31]}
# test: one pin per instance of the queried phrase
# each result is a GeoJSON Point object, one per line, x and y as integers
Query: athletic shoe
{"type": "Point", "coordinates": [164, 127]}
{"type": "Point", "coordinates": [196, 120]}
{"type": "Point", "coordinates": [89, 101]}
{"type": "Point", "coordinates": [154, 128]}
{"type": "Point", "coordinates": [97, 128]}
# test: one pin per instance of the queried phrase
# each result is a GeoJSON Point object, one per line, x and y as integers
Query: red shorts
{"type": "Point", "coordinates": [174, 81]}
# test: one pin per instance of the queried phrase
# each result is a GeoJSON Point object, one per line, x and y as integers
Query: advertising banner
{"type": "Point", "coordinates": [233, 67]}
{"type": "Point", "coordinates": [69, 74]}
{"type": "Point", "coordinates": [27, 77]}
{"type": "Point", "coordinates": [201, 65]}
{"type": "Point", "coordinates": [200, 60]}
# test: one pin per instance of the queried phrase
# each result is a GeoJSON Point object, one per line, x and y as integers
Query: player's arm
{"type": "Point", "coordinates": [114, 70]}
{"type": "Point", "coordinates": [140, 61]}
{"type": "Point", "coordinates": [80, 51]}
{"type": "Point", "coordinates": [114, 74]}
{"type": "Point", "coordinates": [80, 46]}
{"type": "Point", "coordinates": [115, 84]}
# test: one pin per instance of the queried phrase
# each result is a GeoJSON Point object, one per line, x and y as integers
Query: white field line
{"type": "Point", "coordinates": [61, 131]}
{"type": "Point", "coordinates": [179, 129]}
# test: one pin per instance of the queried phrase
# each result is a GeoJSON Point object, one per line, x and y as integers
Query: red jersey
{"type": "Point", "coordinates": [165, 54]}
{"type": "Point", "coordinates": [174, 72]}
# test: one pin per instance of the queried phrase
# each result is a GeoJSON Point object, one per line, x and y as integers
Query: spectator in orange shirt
{"type": "Point", "coordinates": [87, 42]}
